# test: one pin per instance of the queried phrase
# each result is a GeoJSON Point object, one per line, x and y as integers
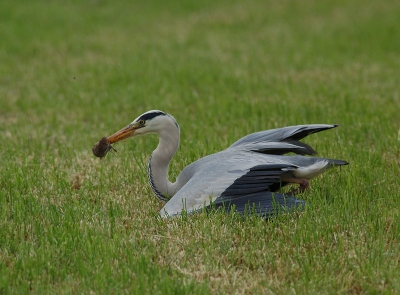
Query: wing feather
{"type": "Point", "coordinates": [264, 204]}
{"type": "Point", "coordinates": [225, 179]}
{"type": "Point", "coordinates": [281, 140]}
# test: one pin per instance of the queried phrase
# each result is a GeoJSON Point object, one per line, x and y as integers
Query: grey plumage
{"type": "Point", "coordinates": [282, 140]}
{"type": "Point", "coordinates": [249, 173]}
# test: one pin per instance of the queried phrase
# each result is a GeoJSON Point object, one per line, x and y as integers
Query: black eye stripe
{"type": "Point", "coordinates": [151, 115]}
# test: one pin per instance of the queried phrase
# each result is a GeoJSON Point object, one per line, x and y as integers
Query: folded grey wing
{"type": "Point", "coordinates": [281, 140]}
{"type": "Point", "coordinates": [243, 182]}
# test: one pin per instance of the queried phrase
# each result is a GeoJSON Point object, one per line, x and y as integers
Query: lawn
{"type": "Point", "coordinates": [74, 71]}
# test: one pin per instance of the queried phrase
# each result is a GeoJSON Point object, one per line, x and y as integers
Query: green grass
{"type": "Point", "coordinates": [74, 71]}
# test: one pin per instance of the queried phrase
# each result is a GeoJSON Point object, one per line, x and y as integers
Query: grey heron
{"type": "Point", "coordinates": [248, 173]}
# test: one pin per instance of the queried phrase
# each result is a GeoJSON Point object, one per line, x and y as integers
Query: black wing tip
{"type": "Point", "coordinates": [326, 127]}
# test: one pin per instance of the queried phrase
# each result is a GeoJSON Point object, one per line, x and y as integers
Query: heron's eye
{"type": "Point", "coordinates": [141, 122]}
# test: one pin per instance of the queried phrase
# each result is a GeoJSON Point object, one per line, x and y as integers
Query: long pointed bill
{"type": "Point", "coordinates": [101, 148]}
{"type": "Point", "coordinates": [124, 133]}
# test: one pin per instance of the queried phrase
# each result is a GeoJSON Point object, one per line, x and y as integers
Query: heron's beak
{"type": "Point", "coordinates": [124, 133]}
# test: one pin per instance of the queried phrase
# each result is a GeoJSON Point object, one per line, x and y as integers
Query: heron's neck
{"type": "Point", "coordinates": [159, 162]}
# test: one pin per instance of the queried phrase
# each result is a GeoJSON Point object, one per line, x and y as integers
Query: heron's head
{"type": "Point", "coordinates": [150, 122]}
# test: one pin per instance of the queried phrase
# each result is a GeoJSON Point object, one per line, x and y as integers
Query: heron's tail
{"type": "Point", "coordinates": [334, 162]}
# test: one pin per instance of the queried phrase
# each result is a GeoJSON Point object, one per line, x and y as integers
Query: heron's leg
{"type": "Point", "coordinates": [303, 185]}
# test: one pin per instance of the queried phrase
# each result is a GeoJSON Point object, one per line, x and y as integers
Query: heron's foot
{"type": "Point", "coordinates": [303, 185]}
